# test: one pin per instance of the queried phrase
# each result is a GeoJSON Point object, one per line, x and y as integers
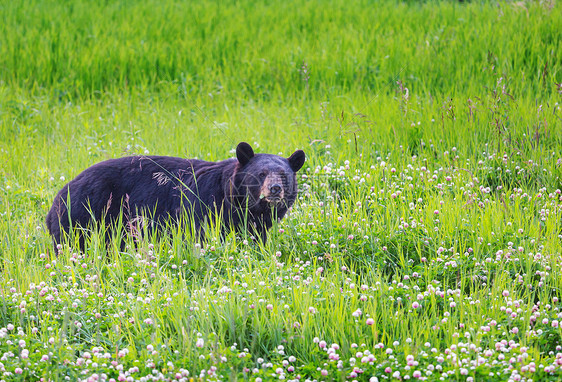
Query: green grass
{"type": "Point", "coordinates": [433, 135]}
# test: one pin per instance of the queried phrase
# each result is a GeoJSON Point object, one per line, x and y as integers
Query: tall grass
{"type": "Point", "coordinates": [255, 51]}
{"type": "Point", "coordinates": [429, 214]}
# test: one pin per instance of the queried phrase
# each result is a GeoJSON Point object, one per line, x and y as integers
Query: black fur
{"type": "Point", "coordinates": [165, 188]}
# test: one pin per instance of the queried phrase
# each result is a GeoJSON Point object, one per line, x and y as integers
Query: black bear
{"type": "Point", "coordinates": [249, 192]}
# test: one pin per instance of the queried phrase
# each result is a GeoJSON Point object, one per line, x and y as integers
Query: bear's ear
{"type": "Point", "coordinates": [296, 160]}
{"type": "Point", "coordinates": [244, 153]}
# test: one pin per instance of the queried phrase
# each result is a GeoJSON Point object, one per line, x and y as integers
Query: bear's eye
{"type": "Point", "coordinates": [263, 174]}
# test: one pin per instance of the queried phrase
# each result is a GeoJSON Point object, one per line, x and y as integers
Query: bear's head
{"type": "Point", "coordinates": [263, 181]}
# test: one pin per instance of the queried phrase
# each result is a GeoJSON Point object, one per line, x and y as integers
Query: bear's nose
{"type": "Point", "coordinates": [275, 189]}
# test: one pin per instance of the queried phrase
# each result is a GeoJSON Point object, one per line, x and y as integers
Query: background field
{"type": "Point", "coordinates": [427, 239]}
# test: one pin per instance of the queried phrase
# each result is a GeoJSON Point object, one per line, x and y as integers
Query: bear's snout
{"type": "Point", "coordinates": [272, 188]}
{"type": "Point", "coordinates": [275, 189]}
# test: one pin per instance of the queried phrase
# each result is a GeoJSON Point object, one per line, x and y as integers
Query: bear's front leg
{"type": "Point", "coordinates": [258, 229]}
{"type": "Point", "coordinates": [263, 234]}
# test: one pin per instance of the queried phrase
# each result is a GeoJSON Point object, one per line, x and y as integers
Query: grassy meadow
{"type": "Point", "coordinates": [426, 242]}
